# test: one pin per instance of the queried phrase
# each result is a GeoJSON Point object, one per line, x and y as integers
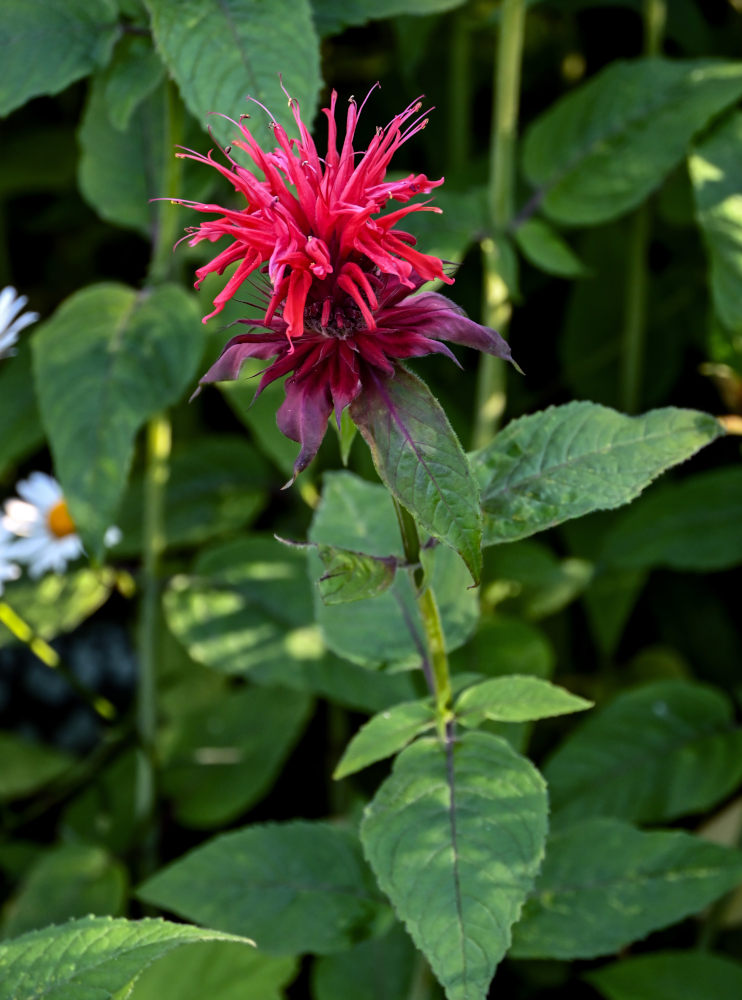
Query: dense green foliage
{"type": "Point", "coordinates": [223, 772]}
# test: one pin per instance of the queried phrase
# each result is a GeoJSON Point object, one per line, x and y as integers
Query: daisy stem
{"type": "Point", "coordinates": [496, 306]}
{"type": "Point", "coordinates": [50, 658]}
{"type": "Point", "coordinates": [637, 277]}
{"type": "Point", "coordinates": [431, 620]}
{"type": "Point", "coordinates": [158, 435]}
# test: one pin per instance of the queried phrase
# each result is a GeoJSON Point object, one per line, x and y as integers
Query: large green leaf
{"type": "Point", "coordinates": [107, 360]}
{"type": "Point", "coordinates": [515, 699]}
{"type": "Point", "coordinates": [604, 885]}
{"type": "Point", "coordinates": [692, 525]}
{"type": "Point", "coordinates": [420, 459]}
{"type": "Point", "coordinates": [246, 603]}
{"type": "Point", "coordinates": [293, 887]}
{"type": "Point", "coordinates": [667, 975]}
{"type": "Point", "coordinates": [569, 460]}
{"type": "Point", "coordinates": [221, 51]}
{"type": "Point", "coordinates": [713, 171]}
{"type": "Point", "coordinates": [455, 836]}
{"type": "Point", "coordinates": [71, 880]}
{"type": "Point", "coordinates": [334, 15]}
{"type": "Point", "coordinates": [247, 609]}
{"type": "Point", "coordinates": [385, 734]}
{"type": "Point", "coordinates": [216, 971]}
{"type": "Point", "coordinates": [602, 149]}
{"type": "Point", "coordinates": [121, 171]}
{"type": "Point", "coordinates": [221, 757]}
{"type": "Point", "coordinates": [655, 753]}
{"type": "Point", "coordinates": [90, 958]}
{"type": "Point", "coordinates": [357, 515]}
{"type": "Point", "coordinates": [47, 44]}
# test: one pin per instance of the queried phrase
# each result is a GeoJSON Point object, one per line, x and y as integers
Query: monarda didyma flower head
{"type": "Point", "coordinates": [342, 308]}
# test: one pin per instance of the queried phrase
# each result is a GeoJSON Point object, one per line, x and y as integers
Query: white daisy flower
{"type": "Point", "coordinates": [11, 323]}
{"type": "Point", "coordinates": [46, 536]}
{"type": "Point", "coordinates": [8, 570]}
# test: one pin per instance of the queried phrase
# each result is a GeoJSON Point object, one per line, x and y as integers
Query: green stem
{"type": "Point", "coordinates": [50, 658]}
{"type": "Point", "coordinates": [637, 277]}
{"type": "Point", "coordinates": [490, 399]}
{"type": "Point", "coordinates": [635, 311]}
{"type": "Point", "coordinates": [431, 620]}
{"type": "Point", "coordinates": [156, 474]}
{"type": "Point", "coordinates": [459, 106]}
{"type": "Point", "coordinates": [166, 231]}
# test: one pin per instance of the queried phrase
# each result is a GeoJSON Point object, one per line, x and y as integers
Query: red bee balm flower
{"type": "Point", "coordinates": [341, 278]}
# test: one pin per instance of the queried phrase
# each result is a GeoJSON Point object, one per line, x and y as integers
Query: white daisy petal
{"type": "Point", "coordinates": [41, 490]}
{"type": "Point", "coordinates": [12, 319]}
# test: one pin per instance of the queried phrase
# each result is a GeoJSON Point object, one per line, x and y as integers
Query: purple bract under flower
{"type": "Point", "coordinates": [342, 308]}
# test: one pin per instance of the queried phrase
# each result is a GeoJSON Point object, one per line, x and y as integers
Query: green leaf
{"type": "Point", "coordinates": [133, 74]}
{"type": "Point", "coordinates": [661, 751]}
{"type": "Point", "coordinates": [107, 360]}
{"type": "Point", "coordinates": [334, 15]}
{"type": "Point", "coordinates": [569, 460]}
{"type": "Point", "coordinates": [247, 602]}
{"type": "Point", "coordinates": [605, 885]}
{"type": "Point", "coordinates": [532, 582]}
{"type": "Point", "coordinates": [713, 171]}
{"type": "Point", "coordinates": [692, 525]}
{"type": "Point", "coordinates": [359, 516]}
{"type": "Point", "coordinates": [222, 757]}
{"type": "Point", "coordinates": [120, 170]}
{"type": "Point", "coordinates": [28, 766]}
{"type": "Point", "coordinates": [455, 836]}
{"type": "Point", "coordinates": [667, 975]}
{"type": "Point", "coordinates": [219, 51]}
{"type": "Point", "coordinates": [217, 483]}
{"type": "Point", "coordinates": [19, 415]}
{"type": "Point", "coordinates": [89, 958]}
{"type": "Point", "coordinates": [58, 603]}
{"type": "Point", "coordinates": [382, 967]}
{"type": "Point", "coordinates": [71, 880]}
{"type": "Point", "coordinates": [544, 247]}
{"type": "Point", "coordinates": [504, 646]}
{"type": "Point", "coordinates": [47, 44]}
{"type": "Point", "coordinates": [600, 150]}
{"type": "Point", "coordinates": [420, 459]}
{"type": "Point", "coordinates": [353, 576]}
{"type": "Point", "coordinates": [216, 971]}
{"type": "Point", "coordinates": [384, 735]}
{"type": "Point", "coordinates": [515, 699]}
{"type": "Point", "coordinates": [295, 887]}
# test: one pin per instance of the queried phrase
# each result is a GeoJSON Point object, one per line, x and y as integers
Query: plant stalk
{"type": "Point", "coordinates": [637, 276]}
{"type": "Point", "coordinates": [166, 227]}
{"type": "Point", "coordinates": [431, 620]}
{"type": "Point", "coordinates": [459, 106]}
{"type": "Point", "coordinates": [158, 437]}
{"type": "Point", "coordinates": [490, 399]}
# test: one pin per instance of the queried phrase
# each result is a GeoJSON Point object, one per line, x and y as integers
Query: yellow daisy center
{"type": "Point", "coordinates": [59, 521]}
